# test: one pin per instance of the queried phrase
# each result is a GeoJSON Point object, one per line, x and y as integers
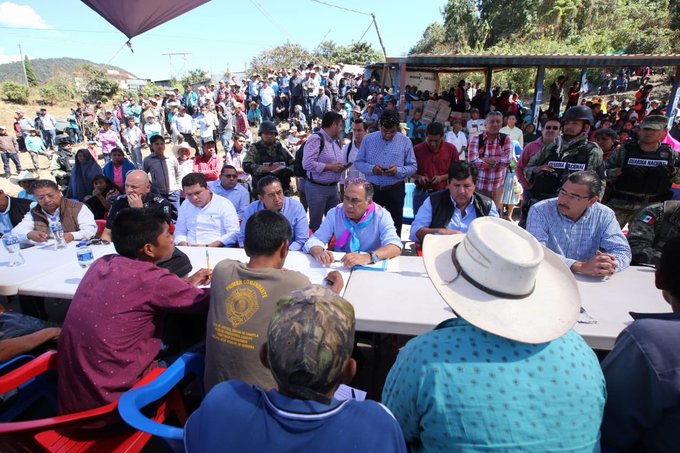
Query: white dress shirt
{"type": "Point", "coordinates": [182, 124]}
{"type": "Point", "coordinates": [86, 224]}
{"type": "Point", "coordinates": [216, 221]}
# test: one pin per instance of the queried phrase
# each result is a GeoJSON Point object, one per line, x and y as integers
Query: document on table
{"type": "Point", "coordinates": [345, 392]}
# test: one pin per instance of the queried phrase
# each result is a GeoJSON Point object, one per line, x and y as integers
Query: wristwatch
{"type": "Point", "coordinates": [374, 258]}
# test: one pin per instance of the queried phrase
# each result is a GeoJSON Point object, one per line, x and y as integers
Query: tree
{"type": "Point", "coordinates": [150, 89]}
{"type": "Point", "coordinates": [324, 52]}
{"type": "Point", "coordinates": [359, 53]}
{"type": "Point", "coordinates": [57, 89]}
{"type": "Point", "coordinates": [433, 39]}
{"type": "Point", "coordinates": [15, 92]}
{"type": "Point", "coordinates": [287, 55]}
{"type": "Point", "coordinates": [30, 73]}
{"type": "Point", "coordinates": [463, 27]}
{"type": "Point", "coordinates": [98, 87]}
{"type": "Point", "coordinates": [195, 76]}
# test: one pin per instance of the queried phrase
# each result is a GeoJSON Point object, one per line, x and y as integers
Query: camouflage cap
{"type": "Point", "coordinates": [656, 122]}
{"type": "Point", "coordinates": [310, 339]}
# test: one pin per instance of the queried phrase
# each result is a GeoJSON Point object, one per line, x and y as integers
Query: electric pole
{"type": "Point", "coordinates": [170, 55]}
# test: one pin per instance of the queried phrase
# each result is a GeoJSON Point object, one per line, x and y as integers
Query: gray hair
{"type": "Point", "coordinates": [492, 114]}
{"type": "Point", "coordinates": [587, 178]}
{"type": "Point", "coordinates": [368, 187]}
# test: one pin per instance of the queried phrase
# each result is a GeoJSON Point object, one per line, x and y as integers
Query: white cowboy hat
{"type": "Point", "coordinates": [176, 148]}
{"type": "Point", "coordinates": [500, 279]}
{"type": "Point", "coordinates": [24, 175]}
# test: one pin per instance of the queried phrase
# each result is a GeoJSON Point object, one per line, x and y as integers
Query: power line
{"type": "Point", "coordinates": [58, 29]}
{"type": "Point", "coordinates": [266, 14]}
{"type": "Point", "coordinates": [341, 7]}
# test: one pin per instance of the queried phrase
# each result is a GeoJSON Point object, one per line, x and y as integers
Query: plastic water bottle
{"type": "Point", "coordinates": [85, 256]}
{"type": "Point", "coordinates": [11, 243]}
{"type": "Point", "coordinates": [58, 233]}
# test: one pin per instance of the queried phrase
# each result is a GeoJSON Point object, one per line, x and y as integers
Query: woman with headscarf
{"type": "Point", "coordinates": [82, 176]}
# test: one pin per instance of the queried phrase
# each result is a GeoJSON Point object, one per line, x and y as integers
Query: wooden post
{"type": "Point", "coordinates": [487, 80]}
{"type": "Point", "coordinates": [538, 94]}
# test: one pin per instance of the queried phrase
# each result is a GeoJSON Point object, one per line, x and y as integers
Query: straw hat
{"type": "Point", "coordinates": [177, 148]}
{"type": "Point", "coordinates": [500, 279]}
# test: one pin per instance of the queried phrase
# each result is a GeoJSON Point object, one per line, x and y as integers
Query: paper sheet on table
{"type": "Point", "coordinates": [345, 392]}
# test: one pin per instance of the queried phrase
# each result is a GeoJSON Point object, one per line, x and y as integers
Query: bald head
{"type": "Point", "coordinates": [137, 182]}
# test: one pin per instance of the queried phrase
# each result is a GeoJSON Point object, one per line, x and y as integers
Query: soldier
{"type": "Point", "coordinates": [642, 172]}
{"type": "Point", "coordinates": [570, 152]}
{"type": "Point", "coordinates": [651, 229]}
{"type": "Point", "coordinates": [268, 156]}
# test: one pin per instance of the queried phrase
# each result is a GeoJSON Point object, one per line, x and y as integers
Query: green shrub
{"type": "Point", "coordinates": [15, 92]}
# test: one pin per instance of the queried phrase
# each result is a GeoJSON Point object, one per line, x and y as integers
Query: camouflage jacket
{"type": "Point", "coordinates": [260, 154]}
{"type": "Point", "coordinates": [651, 228]}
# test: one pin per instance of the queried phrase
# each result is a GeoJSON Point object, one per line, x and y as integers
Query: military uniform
{"type": "Point", "coordinates": [646, 177]}
{"type": "Point", "coordinates": [260, 154]}
{"type": "Point", "coordinates": [565, 159]}
{"type": "Point", "coordinates": [651, 229]}
{"type": "Point", "coordinates": [151, 200]}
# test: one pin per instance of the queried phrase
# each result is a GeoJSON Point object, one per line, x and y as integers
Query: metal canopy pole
{"type": "Point", "coordinates": [487, 79]}
{"type": "Point", "coordinates": [402, 89]}
{"type": "Point", "coordinates": [538, 94]}
{"type": "Point", "coordinates": [584, 73]}
{"type": "Point", "coordinates": [673, 98]}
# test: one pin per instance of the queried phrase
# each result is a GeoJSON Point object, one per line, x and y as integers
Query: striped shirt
{"type": "Point", "coordinates": [375, 150]}
{"type": "Point", "coordinates": [490, 178]}
{"type": "Point", "coordinates": [597, 229]}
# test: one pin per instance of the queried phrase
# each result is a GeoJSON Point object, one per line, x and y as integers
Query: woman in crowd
{"type": "Point", "coordinates": [103, 194]}
{"type": "Point", "coordinates": [116, 169]}
{"type": "Point", "coordinates": [82, 176]}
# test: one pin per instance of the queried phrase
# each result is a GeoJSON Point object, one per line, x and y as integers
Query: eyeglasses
{"type": "Point", "coordinates": [571, 196]}
{"type": "Point", "coordinates": [229, 176]}
{"type": "Point", "coordinates": [552, 128]}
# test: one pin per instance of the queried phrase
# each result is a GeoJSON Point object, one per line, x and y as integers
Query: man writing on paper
{"type": "Point", "coordinates": [362, 228]}
{"type": "Point", "coordinates": [243, 300]}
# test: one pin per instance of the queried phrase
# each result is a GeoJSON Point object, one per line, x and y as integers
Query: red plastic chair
{"type": "Point", "coordinates": [76, 432]}
{"type": "Point", "coordinates": [101, 224]}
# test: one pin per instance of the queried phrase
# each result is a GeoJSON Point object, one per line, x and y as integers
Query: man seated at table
{"type": "Point", "coordinates": [451, 210]}
{"type": "Point", "coordinates": [243, 299]}
{"type": "Point", "coordinates": [270, 196]}
{"type": "Point", "coordinates": [308, 349]}
{"type": "Point", "coordinates": [582, 231]}
{"type": "Point", "coordinates": [205, 219]}
{"type": "Point", "coordinates": [363, 229]}
{"type": "Point", "coordinates": [113, 328]}
{"type": "Point", "coordinates": [138, 194]}
{"type": "Point", "coordinates": [509, 373]}
{"type": "Point", "coordinates": [651, 228]}
{"type": "Point", "coordinates": [76, 219]}
{"type": "Point", "coordinates": [643, 389]}
{"type": "Point", "coordinates": [227, 186]}
{"type": "Point", "coordinates": [12, 211]}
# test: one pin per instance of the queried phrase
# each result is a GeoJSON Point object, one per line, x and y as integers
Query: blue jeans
{"type": "Point", "coordinates": [107, 158]}
{"type": "Point", "coordinates": [5, 162]}
{"type": "Point", "coordinates": [225, 138]}
{"type": "Point", "coordinates": [267, 112]}
{"type": "Point", "coordinates": [320, 199]}
{"type": "Point", "coordinates": [136, 154]}
{"type": "Point", "coordinates": [50, 138]}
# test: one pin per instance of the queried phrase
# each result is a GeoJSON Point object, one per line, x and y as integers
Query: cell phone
{"type": "Point", "coordinates": [384, 168]}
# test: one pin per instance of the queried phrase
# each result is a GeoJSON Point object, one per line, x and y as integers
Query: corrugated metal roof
{"type": "Point", "coordinates": [445, 63]}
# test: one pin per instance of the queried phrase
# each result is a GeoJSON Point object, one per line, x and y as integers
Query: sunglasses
{"type": "Point", "coordinates": [552, 128]}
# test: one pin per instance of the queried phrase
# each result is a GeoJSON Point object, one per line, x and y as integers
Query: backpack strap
{"type": "Point", "coordinates": [349, 149]}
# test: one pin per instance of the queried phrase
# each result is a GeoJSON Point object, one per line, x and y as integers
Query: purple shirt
{"type": "Point", "coordinates": [108, 140]}
{"type": "Point", "coordinates": [314, 162]}
{"type": "Point", "coordinates": [112, 331]}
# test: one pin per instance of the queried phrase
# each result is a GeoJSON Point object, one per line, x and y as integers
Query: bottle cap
{"type": "Point", "coordinates": [82, 244]}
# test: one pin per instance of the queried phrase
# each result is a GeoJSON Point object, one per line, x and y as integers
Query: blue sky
{"type": "Point", "coordinates": [219, 35]}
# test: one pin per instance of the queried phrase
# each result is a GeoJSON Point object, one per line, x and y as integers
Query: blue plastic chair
{"type": "Point", "coordinates": [131, 403]}
{"type": "Point", "coordinates": [408, 202]}
{"type": "Point", "coordinates": [17, 401]}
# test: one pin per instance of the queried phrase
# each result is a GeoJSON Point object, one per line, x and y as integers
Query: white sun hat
{"type": "Point", "coordinates": [500, 279]}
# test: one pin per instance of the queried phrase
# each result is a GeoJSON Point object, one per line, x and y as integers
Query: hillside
{"type": "Point", "coordinates": [46, 68]}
